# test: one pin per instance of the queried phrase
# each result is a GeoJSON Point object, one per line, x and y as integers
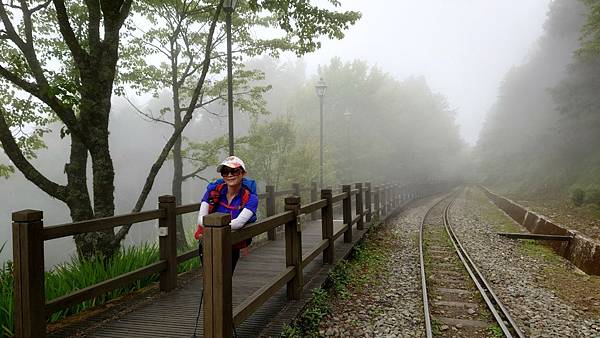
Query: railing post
{"type": "Point", "coordinates": [167, 242]}
{"type": "Point", "coordinates": [313, 198]}
{"type": "Point", "coordinates": [271, 234]}
{"type": "Point", "coordinates": [384, 200]}
{"type": "Point", "coordinates": [369, 210]}
{"type": "Point", "coordinates": [359, 206]}
{"type": "Point", "coordinates": [376, 196]}
{"type": "Point", "coordinates": [218, 313]}
{"type": "Point", "coordinates": [28, 258]}
{"type": "Point", "coordinates": [296, 189]}
{"type": "Point", "coordinates": [327, 226]}
{"type": "Point", "coordinates": [347, 213]}
{"type": "Point", "coordinates": [293, 248]}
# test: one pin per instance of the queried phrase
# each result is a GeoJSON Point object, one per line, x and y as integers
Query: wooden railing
{"type": "Point", "coordinates": [219, 316]}
{"type": "Point", "coordinates": [29, 234]}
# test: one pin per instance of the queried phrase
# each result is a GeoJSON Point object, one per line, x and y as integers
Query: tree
{"type": "Point", "coordinates": [69, 76]}
{"type": "Point", "coordinates": [590, 37]}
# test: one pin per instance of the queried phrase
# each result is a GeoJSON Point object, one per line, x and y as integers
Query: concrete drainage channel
{"type": "Point", "coordinates": [581, 250]}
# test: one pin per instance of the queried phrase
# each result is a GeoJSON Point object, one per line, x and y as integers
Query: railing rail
{"type": "Point", "coordinates": [29, 235]}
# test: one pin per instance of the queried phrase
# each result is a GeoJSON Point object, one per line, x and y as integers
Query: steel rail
{"type": "Point", "coordinates": [428, 329]}
{"type": "Point", "coordinates": [482, 285]}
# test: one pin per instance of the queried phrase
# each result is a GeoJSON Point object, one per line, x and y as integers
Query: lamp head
{"type": "Point", "coordinates": [229, 5]}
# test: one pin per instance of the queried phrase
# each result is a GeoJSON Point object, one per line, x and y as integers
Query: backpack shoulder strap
{"type": "Point", "coordinates": [214, 195]}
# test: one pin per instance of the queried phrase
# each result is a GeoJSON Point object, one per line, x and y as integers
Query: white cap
{"type": "Point", "coordinates": [232, 162]}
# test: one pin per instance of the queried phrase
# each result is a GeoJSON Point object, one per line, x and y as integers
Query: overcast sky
{"type": "Point", "coordinates": [462, 47]}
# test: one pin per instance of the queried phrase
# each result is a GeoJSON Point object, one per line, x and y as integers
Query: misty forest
{"type": "Point", "coordinates": [107, 105]}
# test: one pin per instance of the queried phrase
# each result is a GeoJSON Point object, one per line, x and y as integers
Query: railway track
{"type": "Point", "coordinates": [457, 300]}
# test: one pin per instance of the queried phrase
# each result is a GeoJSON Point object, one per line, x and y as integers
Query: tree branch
{"type": "Point", "coordinates": [12, 150]}
{"type": "Point", "coordinates": [177, 132]}
{"type": "Point", "coordinates": [93, 24]}
{"type": "Point", "coordinates": [148, 116]}
{"type": "Point", "coordinates": [66, 115]}
{"type": "Point", "coordinates": [193, 173]}
{"type": "Point", "coordinates": [79, 54]}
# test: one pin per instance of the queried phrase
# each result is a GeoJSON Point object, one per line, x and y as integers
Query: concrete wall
{"type": "Point", "coordinates": [581, 250]}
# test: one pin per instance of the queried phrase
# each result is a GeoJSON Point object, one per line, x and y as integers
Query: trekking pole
{"type": "Point", "coordinates": [201, 255]}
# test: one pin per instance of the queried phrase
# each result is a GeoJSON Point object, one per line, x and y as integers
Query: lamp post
{"type": "Point", "coordinates": [321, 87]}
{"type": "Point", "coordinates": [347, 116]}
{"type": "Point", "coordinates": [228, 7]}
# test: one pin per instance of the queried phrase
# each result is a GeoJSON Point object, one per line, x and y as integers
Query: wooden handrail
{"type": "Point", "coordinates": [314, 206]}
{"type": "Point", "coordinates": [98, 224]}
{"type": "Point", "coordinates": [338, 197]}
{"type": "Point", "coordinates": [103, 287]}
{"type": "Point", "coordinates": [250, 304]}
{"type": "Point", "coordinates": [386, 199]}
{"type": "Point", "coordinates": [258, 228]}
{"type": "Point", "coordinates": [314, 252]}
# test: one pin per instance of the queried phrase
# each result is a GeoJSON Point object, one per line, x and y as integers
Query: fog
{"type": "Point", "coordinates": [411, 87]}
{"type": "Point", "coordinates": [463, 48]}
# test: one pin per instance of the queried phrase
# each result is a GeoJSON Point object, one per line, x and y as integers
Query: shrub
{"type": "Point", "coordinates": [578, 197]}
{"type": "Point", "coordinates": [592, 196]}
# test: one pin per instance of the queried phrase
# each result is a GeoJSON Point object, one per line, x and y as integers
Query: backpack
{"type": "Point", "coordinates": [248, 188]}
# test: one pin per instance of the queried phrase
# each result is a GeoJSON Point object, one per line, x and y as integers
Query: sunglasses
{"type": "Point", "coordinates": [232, 172]}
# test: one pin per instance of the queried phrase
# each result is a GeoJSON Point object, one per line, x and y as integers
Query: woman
{"type": "Point", "coordinates": [233, 194]}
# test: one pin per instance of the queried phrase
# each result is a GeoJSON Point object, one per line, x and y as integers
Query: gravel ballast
{"type": "Point", "coordinates": [544, 293]}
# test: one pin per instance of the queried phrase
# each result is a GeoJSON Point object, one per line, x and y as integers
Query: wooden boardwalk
{"type": "Point", "coordinates": [153, 314]}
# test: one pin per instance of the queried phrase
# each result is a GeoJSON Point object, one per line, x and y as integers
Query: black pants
{"type": "Point", "coordinates": [235, 256]}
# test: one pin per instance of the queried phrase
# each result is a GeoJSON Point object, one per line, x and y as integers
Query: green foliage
{"type": "Point", "coordinates": [543, 134]}
{"type": "Point", "coordinates": [6, 170]}
{"type": "Point", "coordinates": [307, 324]}
{"type": "Point", "coordinates": [590, 33]}
{"type": "Point", "coordinates": [375, 125]}
{"type": "Point", "coordinates": [578, 197]}
{"type": "Point", "coordinates": [81, 273]}
{"type": "Point", "coordinates": [592, 196]}
{"type": "Point", "coordinates": [275, 156]}
{"type": "Point", "coordinates": [6, 298]}
{"type": "Point", "coordinates": [495, 331]}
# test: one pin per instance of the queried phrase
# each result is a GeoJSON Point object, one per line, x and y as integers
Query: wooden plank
{"type": "Point", "coordinates": [347, 213]}
{"type": "Point", "coordinates": [356, 219]}
{"type": "Point", "coordinates": [327, 226]}
{"type": "Point", "coordinates": [167, 242]}
{"type": "Point", "coordinates": [316, 251]}
{"type": "Point", "coordinates": [103, 287]}
{"type": "Point", "coordinates": [340, 232]}
{"type": "Point", "coordinates": [98, 224]}
{"type": "Point", "coordinates": [539, 237]}
{"type": "Point", "coordinates": [284, 192]}
{"type": "Point", "coordinates": [28, 248]}
{"type": "Point", "coordinates": [185, 209]}
{"type": "Point", "coordinates": [186, 256]}
{"type": "Point", "coordinates": [249, 306]}
{"type": "Point", "coordinates": [260, 227]}
{"type": "Point", "coordinates": [314, 206]}
{"type": "Point", "coordinates": [338, 197]}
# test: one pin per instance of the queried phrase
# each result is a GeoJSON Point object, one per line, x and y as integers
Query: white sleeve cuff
{"type": "Point", "coordinates": [240, 221]}
{"type": "Point", "coordinates": [203, 212]}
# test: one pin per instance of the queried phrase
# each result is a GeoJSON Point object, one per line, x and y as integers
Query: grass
{"type": "Point", "coordinates": [78, 274]}
{"type": "Point", "coordinates": [495, 331]}
{"type": "Point", "coordinates": [366, 263]}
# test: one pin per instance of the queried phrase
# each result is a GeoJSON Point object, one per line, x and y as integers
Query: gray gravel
{"type": "Point", "coordinates": [538, 311]}
{"type": "Point", "coordinates": [394, 308]}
